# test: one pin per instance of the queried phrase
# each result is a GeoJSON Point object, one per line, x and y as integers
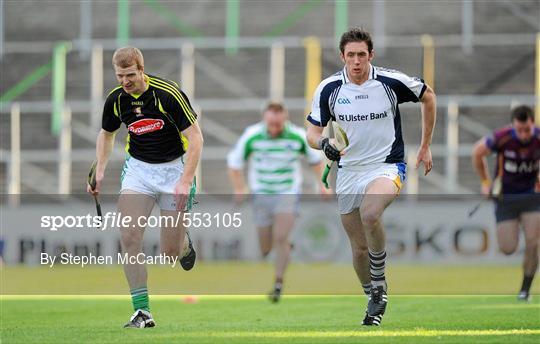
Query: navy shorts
{"type": "Point", "coordinates": [512, 206]}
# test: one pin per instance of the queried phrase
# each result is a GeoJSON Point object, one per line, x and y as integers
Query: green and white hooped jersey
{"type": "Point", "coordinates": [274, 166]}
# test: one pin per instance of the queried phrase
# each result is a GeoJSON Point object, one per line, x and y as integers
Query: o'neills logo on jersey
{"type": "Point", "coordinates": [144, 126]}
{"type": "Point", "coordinates": [356, 118]}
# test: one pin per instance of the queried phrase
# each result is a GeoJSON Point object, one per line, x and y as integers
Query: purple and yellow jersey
{"type": "Point", "coordinates": [518, 162]}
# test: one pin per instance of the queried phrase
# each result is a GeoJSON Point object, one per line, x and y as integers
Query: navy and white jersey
{"type": "Point", "coordinates": [368, 113]}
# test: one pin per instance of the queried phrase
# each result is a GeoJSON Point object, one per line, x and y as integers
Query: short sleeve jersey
{"type": "Point", "coordinates": [274, 162]}
{"type": "Point", "coordinates": [368, 113]}
{"type": "Point", "coordinates": [154, 120]}
{"type": "Point", "coordinates": [520, 161]}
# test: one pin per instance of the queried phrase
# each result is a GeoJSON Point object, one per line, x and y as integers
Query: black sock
{"type": "Point", "coordinates": [527, 281]}
{"type": "Point", "coordinates": [367, 288]}
{"type": "Point", "coordinates": [278, 284]}
{"type": "Point", "coordinates": [376, 267]}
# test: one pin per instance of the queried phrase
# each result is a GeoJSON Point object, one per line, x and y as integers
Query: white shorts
{"type": "Point", "coordinates": [156, 180]}
{"type": "Point", "coordinates": [265, 207]}
{"type": "Point", "coordinates": [352, 182]}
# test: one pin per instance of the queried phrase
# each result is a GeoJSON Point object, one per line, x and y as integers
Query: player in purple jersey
{"type": "Point", "coordinates": [515, 188]}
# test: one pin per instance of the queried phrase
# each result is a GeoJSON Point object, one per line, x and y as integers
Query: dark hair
{"type": "Point", "coordinates": [522, 113]}
{"type": "Point", "coordinates": [274, 107]}
{"type": "Point", "coordinates": [355, 35]}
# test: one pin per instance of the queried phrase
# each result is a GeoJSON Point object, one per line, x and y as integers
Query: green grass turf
{"type": "Point", "coordinates": [252, 319]}
{"type": "Point", "coordinates": [248, 319]}
{"type": "Point", "coordinates": [246, 278]}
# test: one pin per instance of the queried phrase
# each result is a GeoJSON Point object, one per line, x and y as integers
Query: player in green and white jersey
{"type": "Point", "coordinates": [273, 148]}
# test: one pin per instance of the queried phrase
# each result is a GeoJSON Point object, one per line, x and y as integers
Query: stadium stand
{"type": "Point", "coordinates": [489, 70]}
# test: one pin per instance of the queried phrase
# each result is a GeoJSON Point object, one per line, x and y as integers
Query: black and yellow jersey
{"type": "Point", "coordinates": [154, 119]}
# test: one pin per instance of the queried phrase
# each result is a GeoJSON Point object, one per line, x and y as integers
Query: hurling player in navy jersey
{"type": "Point", "coordinates": [518, 202]}
{"type": "Point", "coordinates": [159, 166]}
{"type": "Point", "coordinates": [364, 100]}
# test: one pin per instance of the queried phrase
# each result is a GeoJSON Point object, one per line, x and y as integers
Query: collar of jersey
{"type": "Point", "coordinates": [513, 133]}
{"type": "Point", "coordinates": [345, 77]}
{"type": "Point", "coordinates": [147, 81]}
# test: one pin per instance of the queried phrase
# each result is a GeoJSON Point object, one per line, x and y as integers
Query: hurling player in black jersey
{"type": "Point", "coordinates": [159, 166]}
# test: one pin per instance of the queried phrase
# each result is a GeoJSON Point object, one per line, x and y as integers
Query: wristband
{"type": "Point", "coordinates": [320, 142]}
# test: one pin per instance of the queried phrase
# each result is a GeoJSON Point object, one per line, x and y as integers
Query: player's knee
{"type": "Point", "coordinates": [508, 249]}
{"type": "Point", "coordinates": [131, 243]}
{"type": "Point", "coordinates": [265, 251]}
{"type": "Point", "coordinates": [280, 240]}
{"type": "Point", "coordinates": [370, 217]}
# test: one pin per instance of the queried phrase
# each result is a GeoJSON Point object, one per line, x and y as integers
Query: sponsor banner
{"type": "Point", "coordinates": [430, 231]}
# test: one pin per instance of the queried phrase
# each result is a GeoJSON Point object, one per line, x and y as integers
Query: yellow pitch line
{"type": "Point", "coordinates": [377, 333]}
{"type": "Point", "coordinates": [123, 297]}
{"type": "Point", "coordinates": [217, 297]}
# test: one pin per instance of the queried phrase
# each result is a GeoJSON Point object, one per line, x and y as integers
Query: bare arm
{"type": "Point", "coordinates": [193, 154]}
{"type": "Point", "coordinates": [240, 190]}
{"type": "Point", "coordinates": [104, 147]}
{"type": "Point", "coordinates": [236, 177]}
{"type": "Point", "coordinates": [479, 154]}
{"type": "Point", "coordinates": [314, 134]}
{"type": "Point", "coordinates": [429, 115]}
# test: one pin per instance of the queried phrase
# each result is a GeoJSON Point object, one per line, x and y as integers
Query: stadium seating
{"type": "Point", "coordinates": [489, 70]}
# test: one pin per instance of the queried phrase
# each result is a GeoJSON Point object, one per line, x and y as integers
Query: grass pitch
{"type": "Point", "coordinates": [39, 305]}
{"type": "Point", "coordinates": [250, 319]}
